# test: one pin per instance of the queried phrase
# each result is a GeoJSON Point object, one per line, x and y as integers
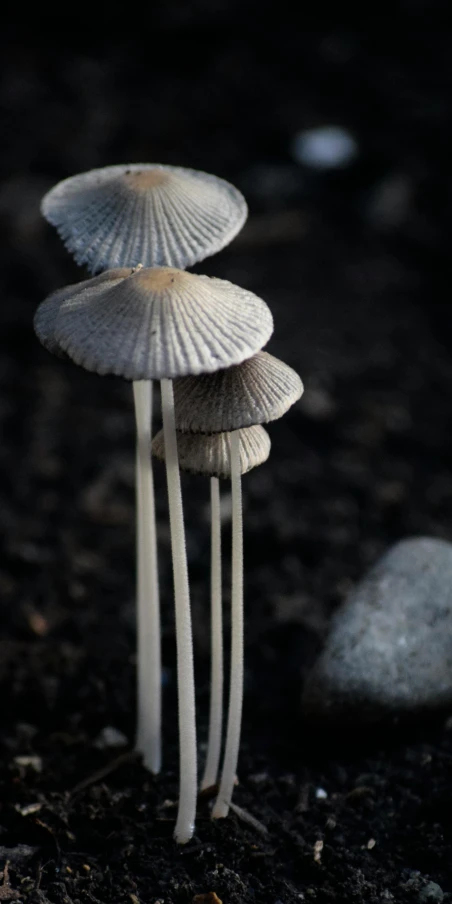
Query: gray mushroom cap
{"type": "Point", "coordinates": [45, 318]}
{"type": "Point", "coordinates": [144, 213]}
{"type": "Point", "coordinates": [211, 455]}
{"type": "Point", "coordinates": [259, 390]}
{"type": "Point", "coordinates": [162, 323]}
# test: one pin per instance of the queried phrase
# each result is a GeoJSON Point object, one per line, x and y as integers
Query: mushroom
{"type": "Point", "coordinates": [162, 323]}
{"type": "Point", "coordinates": [258, 390]}
{"type": "Point", "coordinates": [210, 454]}
{"type": "Point", "coordinates": [226, 455]}
{"type": "Point", "coordinates": [144, 213]}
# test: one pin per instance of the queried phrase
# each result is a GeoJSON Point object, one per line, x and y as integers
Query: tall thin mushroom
{"type": "Point", "coordinates": [152, 215]}
{"type": "Point", "coordinates": [161, 323]}
{"type": "Point", "coordinates": [256, 391]}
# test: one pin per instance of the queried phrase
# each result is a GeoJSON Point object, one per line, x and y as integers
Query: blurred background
{"type": "Point", "coordinates": [337, 136]}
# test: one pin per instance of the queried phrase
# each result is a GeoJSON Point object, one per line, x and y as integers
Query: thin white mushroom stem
{"type": "Point", "coordinates": [149, 671]}
{"type": "Point", "coordinates": [222, 803]}
{"type": "Point", "coordinates": [185, 822]}
{"type": "Point", "coordinates": [216, 633]}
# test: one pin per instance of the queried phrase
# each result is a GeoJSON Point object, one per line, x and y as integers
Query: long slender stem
{"type": "Point", "coordinates": [216, 632]}
{"type": "Point", "coordinates": [185, 823]}
{"type": "Point", "coordinates": [149, 671]}
{"type": "Point", "coordinates": [221, 807]}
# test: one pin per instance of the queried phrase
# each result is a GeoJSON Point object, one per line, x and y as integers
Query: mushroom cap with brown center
{"type": "Point", "coordinates": [259, 390]}
{"type": "Point", "coordinates": [162, 323]}
{"type": "Point", "coordinates": [151, 214]}
{"type": "Point", "coordinates": [211, 455]}
{"type": "Point", "coordinates": [46, 314]}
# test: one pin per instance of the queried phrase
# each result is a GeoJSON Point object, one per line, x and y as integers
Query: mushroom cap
{"type": "Point", "coordinates": [211, 455]}
{"type": "Point", "coordinates": [162, 323]}
{"type": "Point", "coordinates": [259, 390]}
{"type": "Point", "coordinates": [159, 216]}
{"type": "Point", "coordinates": [46, 314]}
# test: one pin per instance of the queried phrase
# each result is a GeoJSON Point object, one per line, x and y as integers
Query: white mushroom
{"type": "Point", "coordinates": [259, 390]}
{"type": "Point", "coordinates": [141, 213]}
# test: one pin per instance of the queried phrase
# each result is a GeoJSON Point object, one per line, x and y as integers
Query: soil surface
{"type": "Point", "coordinates": [354, 266]}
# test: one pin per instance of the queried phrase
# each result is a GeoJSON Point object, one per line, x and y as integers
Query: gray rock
{"type": "Point", "coordinates": [431, 892]}
{"type": "Point", "coordinates": [390, 646]}
{"type": "Point", "coordinates": [423, 890]}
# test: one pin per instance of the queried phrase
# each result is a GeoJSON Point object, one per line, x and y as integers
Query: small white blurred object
{"type": "Point", "coordinates": [110, 737]}
{"type": "Point", "coordinates": [324, 148]}
{"type": "Point", "coordinates": [321, 794]}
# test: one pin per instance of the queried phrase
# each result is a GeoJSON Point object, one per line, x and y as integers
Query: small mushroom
{"type": "Point", "coordinates": [258, 390]}
{"type": "Point", "coordinates": [226, 455]}
{"type": "Point", "coordinates": [210, 454]}
{"type": "Point", "coordinates": [161, 323]}
{"type": "Point", "coordinates": [144, 213]}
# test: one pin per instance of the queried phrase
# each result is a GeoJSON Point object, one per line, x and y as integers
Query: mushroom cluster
{"type": "Point", "coordinates": [144, 318]}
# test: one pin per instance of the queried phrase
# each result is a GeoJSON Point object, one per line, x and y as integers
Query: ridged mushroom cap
{"type": "Point", "coordinates": [162, 323]}
{"type": "Point", "coordinates": [158, 216]}
{"type": "Point", "coordinates": [45, 318]}
{"type": "Point", "coordinates": [259, 390]}
{"type": "Point", "coordinates": [211, 455]}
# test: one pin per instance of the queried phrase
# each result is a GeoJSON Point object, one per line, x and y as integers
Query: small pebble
{"type": "Point", "coordinates": [324, 148]}
{"type": "Point", "coordinates": [318, 848]}
{"type": "Point", "coordinates": [431, 892]}
{"type": "Point", "coordinates": [34, 762]}
{"type": "Point", "coordinates": [28, 809]}
{"type": "Point", "coordinates": [110, 737]}
{"type": "Point", "coordinates": [424, 890]}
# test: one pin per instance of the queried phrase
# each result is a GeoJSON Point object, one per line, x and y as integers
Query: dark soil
{"type": "Point", "coordinates": [354, 265]}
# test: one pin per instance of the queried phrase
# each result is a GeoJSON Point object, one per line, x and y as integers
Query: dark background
{"type": "Point", "coordinates": [354, 263]}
